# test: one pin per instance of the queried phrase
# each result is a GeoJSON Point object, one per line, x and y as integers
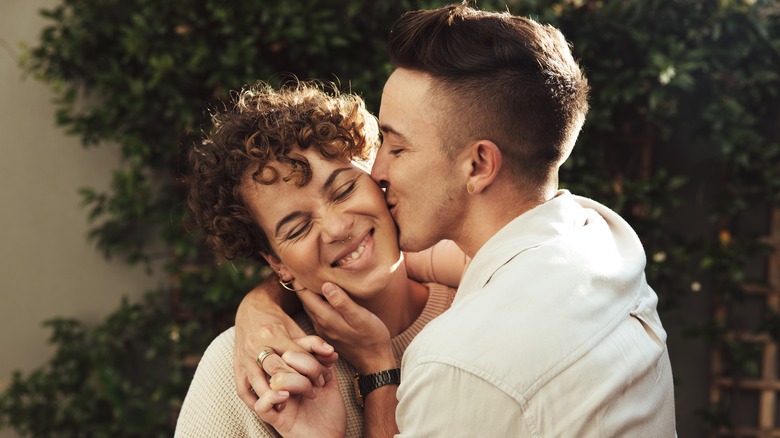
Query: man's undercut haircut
{"type": "Point", "coordinates": [497, 77]}
{"type": "Point", "coordinates": [252, 138]}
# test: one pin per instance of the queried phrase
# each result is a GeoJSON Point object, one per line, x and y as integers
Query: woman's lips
{"type": "Point", "coordinates": [357, 257]}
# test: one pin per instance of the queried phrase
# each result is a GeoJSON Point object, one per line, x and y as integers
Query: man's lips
{"type": "Point", "coordinates": [390, 206]}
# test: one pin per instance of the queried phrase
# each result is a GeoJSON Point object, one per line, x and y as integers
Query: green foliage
{"type": "Point", "coordinates": [107, 381]}
{"type": "Point", "coordinates": [141, 73]}
{"type": "Point", "coordinates": [695, 80]}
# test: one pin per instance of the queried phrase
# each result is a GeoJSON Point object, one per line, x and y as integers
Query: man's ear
{"type": "Point", "coordinates": [484, 163]}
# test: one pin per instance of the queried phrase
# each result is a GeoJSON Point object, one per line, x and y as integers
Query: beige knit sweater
{"type": "Point", "coordinates": [212, 407]}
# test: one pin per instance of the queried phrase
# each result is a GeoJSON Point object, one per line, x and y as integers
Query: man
{"type": "Point", "coordinates": [553, 330]}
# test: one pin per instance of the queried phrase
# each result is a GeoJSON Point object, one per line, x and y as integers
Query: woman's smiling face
{"type": "Point", "coordinates": [336, 228]}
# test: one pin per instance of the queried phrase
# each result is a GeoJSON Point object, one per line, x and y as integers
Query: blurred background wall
{"type": "Point", "coordinates": [48, 268]}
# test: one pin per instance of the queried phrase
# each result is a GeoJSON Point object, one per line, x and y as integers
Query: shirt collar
{"type": "Point", "coordinates": [541, 224]}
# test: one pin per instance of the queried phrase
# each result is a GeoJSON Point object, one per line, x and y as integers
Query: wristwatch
{"type": "Point", "coordinates": [370, 382]}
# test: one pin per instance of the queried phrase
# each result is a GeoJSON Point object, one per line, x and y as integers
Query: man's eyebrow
{"type": "Point", "coordinates": [285, 220]}
{"type": "Point", "coordinates": [332, 178]}
{"type": "Point", "coordinates": [387, 129]}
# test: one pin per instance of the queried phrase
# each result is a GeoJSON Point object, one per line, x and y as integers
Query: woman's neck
{"type": "Point", "coordinates": [400, 304]}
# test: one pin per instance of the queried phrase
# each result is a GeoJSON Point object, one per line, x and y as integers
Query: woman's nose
{"type": "Point", "coordinates": [337, 226]}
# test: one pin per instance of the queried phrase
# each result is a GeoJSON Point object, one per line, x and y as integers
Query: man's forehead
{"type": "Point", "coordinates": [404, 102]}
{"type": "Point", "coordinates": [403, 84]}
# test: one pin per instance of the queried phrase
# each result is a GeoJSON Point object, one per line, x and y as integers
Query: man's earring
{"type": "Point", "coordinates": [470, 188]}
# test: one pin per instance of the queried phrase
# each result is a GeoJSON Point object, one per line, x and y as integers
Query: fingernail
{"type": "Point", "coordinates": [313, 392]}
{"type": "Point", "coordinates": [327, 346]}
{"type": "Point", "coordinates": [321, 381]}
{"type": "Point", "coordinates": [283, 393]}
{"type": "Point", "coordinates": [328, 289]}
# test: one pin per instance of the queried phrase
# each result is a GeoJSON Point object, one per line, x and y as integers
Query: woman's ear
{"type": "Point", "coordinates": [277, 266]}
{"type": "Point", "coordinates": [484, 162]}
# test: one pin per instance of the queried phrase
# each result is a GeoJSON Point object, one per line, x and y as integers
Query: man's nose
{"type": "Point", "coordinates": [379, 170]}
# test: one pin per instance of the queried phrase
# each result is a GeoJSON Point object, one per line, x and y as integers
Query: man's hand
{"type": "Point", "coordinates": [261, 323]}
{"type": "Point", "coordinates": [359, 336]}
{"type": "Point", "coordinates": [324, 416]}
{"type": "Point", "coordinates": [364, 341]}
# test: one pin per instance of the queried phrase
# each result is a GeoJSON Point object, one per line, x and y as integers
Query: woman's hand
{"type": "Point", "coordinates": [358, 335]}
{"type": "Point", "coordinates": [300, 416]}
{"type": "Point", "coordinates": [260, 324]}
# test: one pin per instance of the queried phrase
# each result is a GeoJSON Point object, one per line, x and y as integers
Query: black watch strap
{"type": "Point", "coordinates": [366, 384]}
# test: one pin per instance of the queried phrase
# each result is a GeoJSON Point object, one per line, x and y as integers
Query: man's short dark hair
{"type": "Point", "coordinates": [500, 77]}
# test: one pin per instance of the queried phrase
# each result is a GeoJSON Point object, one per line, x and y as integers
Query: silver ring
{"type": "Point", "coordinates": [263, 355]}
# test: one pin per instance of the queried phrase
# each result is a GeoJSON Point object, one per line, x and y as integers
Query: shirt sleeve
{"type": "Point", "coordinates": [443, 263]}
{"type": "Point", "coordinates": [437, 399]}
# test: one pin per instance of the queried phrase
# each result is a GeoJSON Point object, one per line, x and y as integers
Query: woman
{"type": "Point", "coordinates": [283, 177]}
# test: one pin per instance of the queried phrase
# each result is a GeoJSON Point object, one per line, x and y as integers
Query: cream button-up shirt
{"type": "Point", "coordinates": [553, 333]}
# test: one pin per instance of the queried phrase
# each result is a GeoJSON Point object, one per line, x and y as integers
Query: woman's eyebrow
{"type": "Point", "coordinates": [332, 178]}
{"type": "Point", "coordinates": [295, 214]}
{"type": "Point", "coordinates": [289, 218]}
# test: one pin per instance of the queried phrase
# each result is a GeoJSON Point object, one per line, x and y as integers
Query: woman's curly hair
{"type": "Point", "coordinates": [263, 126]}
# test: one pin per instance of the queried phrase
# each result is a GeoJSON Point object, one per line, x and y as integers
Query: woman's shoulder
{"type": "Point", "coordinates": [440, 297]}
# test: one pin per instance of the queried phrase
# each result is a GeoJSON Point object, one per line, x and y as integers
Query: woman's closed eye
{"type": "Point", "coordinates": [344, 191]}
{"type": "Point", "coordinates": [299, 230]}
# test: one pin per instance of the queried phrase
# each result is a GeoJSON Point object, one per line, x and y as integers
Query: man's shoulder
{"type": "Point", "coordinates": [469, 332]}
{"type": "Point", "coordinates": [519, 330]}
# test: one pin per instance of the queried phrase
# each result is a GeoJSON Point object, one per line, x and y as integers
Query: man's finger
{"type": "Point", "coordinates": [293, 383]}
{"type": "Point", "coordinates": [341, 302]}
{"type": "Point", "coordinates": [319, 310]}
{"type": "Point", "coordinates": [324, 352]}
{"type": "Point", "coordinates": [307, 366]}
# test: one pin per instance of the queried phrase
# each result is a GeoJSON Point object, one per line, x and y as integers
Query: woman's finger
{"type": "Point", "coordinates": [259, 386]}
{"type": "Point", "coordinates": [267, 405]}
{"type": "Point", "coordinates": [246, 391]}
{"type": "Point", "coordinates": [278, 370]}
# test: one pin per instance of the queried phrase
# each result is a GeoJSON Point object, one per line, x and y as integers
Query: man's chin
{"type": "Point", "coordinates": [409, 244]}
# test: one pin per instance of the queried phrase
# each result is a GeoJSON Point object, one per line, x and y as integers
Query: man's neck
{"type": "Point", "coordinates": [490, 212]}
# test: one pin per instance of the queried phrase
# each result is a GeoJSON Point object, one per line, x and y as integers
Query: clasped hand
{"type": "Point", "coordinates": [302, 396]}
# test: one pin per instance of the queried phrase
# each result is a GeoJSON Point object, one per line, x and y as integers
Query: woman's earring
{"type": "Point", "coordinates": [470, 188]}
{"type": "Point", "coordinates": [287, 285]}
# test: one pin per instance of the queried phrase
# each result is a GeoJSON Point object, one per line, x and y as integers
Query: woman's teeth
{"type": "Point", "coordinates": [355, 254]}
